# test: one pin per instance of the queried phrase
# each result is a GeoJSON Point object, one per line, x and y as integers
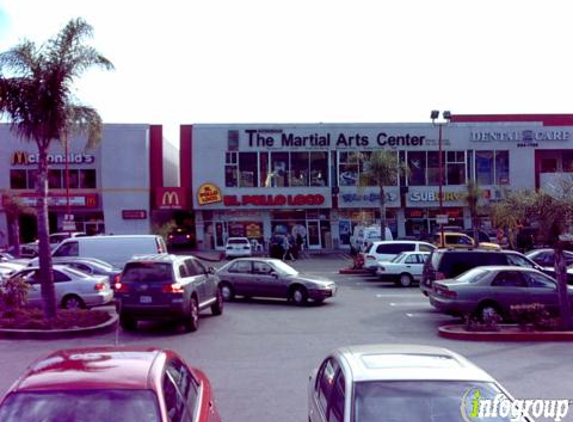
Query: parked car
{"type": "Point", "coordinates": [383, 251]}
{"type": "Point", "coordinates": [460, 240]}
{"type": "Point", "coordinates": [363, 236]}
{"type": "Point", "coordinates": [491, 290]}
{"type": "Point", "coordinates": [546, 257]}
{"type": "Point", "coordinates": [166, 287]}
{"type": "Point", "coordinates": [9, 268]}
{"type": "Point", "coordinates": [267, 277]}
{"type": "Point", "coordinates": [5, 257]}
{"type": "Point", "coordinates": [404, 269]}
{"type": "Point", "coordinates": [115, 249]}
{"type": "Point", "coordinates": [385, 382]}
{"type": "Point", "coordinates": [110, 384]}
{"type": "Point", "coordinates": [92, 266]}
{"type": "Point", "coordinates": [238, 247]}
{"type": "Point", "coordinates": [483, 236]}
{"type": "Point", "coordinates": [449, 263]}
{"type": "Point", "coordinates": [183, 237]}
{"type": "Point", "coordinates": [74, 289]}
{"type": "Point", "coordinates": [57, 238]}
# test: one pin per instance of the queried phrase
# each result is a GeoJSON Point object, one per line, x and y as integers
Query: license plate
{"type": "Point", "coordinates": [145, 299]}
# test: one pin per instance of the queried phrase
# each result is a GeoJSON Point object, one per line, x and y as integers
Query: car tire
{"type": "Point", "coordinates": [73, 302]}
{"type": "Point", "coordinates": [299, 295]}
{"type": "Point", "coordinates": [406, 280]}
{"type": "Point", "coordinates": [192, 320]}
{"type": "Point", "coordinates": [486, 309]}
{"type": "Point", "coordinates": [217, 307]}
{"type": "Point", "coordinates": [227, 291]}
{"type": "Point", "coordinates": [127, 323]}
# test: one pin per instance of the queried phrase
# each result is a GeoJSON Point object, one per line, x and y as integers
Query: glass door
{"type": "Point", "coordinates": [313, 234]}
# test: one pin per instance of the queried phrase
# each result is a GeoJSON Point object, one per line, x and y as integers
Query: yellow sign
{"type": "Point", "coordinates": [209, 193]}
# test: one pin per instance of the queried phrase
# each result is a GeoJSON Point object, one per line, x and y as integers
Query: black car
{"type": "Point", "coordinates": [166, 287]}
{"type": "Point", "coordinates": [182, 237]}
{"type": "Point", "coordinates": [449, 263]}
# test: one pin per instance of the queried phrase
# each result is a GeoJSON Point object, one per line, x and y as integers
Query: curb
{"type": "Point", "coordinates": [457, 332]}
{"type": "Point", "coordinates": [61, 333]}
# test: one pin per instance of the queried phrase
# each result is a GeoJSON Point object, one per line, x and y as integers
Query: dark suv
{"type": "Point", "coordinates": [162, 286]}
{"type": "Point", "coordinates": [449, 263]}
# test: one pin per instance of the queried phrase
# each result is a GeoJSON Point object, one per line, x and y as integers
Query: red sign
{"type": "Point", "coordinates": [273, 200]}
{"type": "Point", "coordinates": [134, 214]}
{"type": "Point", "coordinates": [171, 199]}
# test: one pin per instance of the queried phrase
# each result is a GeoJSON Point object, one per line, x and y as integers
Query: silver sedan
{"type": "Point", "coordinates": [266, 277]}
{"type": "Point", "coordinates": [74, 289]}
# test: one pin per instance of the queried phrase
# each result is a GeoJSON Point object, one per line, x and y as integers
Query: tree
{"type": "Point", "coordinates": [381, 168]}
{"type": "Point", "coordinates": [36, 95]}
{"type": "Point", "coordinates": [511, 213]}
{"type": "Point", "coordinates": [14, 208]}
{"type": "Point", "coordinates": [473, 197]}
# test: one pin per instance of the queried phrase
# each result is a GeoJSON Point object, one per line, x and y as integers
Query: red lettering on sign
{"type": "Point", "coordinates": [273, 200]}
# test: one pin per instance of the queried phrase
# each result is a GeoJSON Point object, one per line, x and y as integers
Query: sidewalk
{"type": "Point", "coordinates": [216, 256]}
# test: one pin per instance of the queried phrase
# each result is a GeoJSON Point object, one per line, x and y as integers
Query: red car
{"type": "Point", "coordinates": [110, 384]}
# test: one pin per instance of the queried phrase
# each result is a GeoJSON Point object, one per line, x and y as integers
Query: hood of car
{"type": "Point", "coordinates": [309, 278]}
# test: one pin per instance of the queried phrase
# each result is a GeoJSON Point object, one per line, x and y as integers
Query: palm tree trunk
{"type": "Point", "coordinates": [44, 253]}
{"type": "Point", "coordinates": [382, 213]}
{"type": "Point", "coordinates": [561, 272]}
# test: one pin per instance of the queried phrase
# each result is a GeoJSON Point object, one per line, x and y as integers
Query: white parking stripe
{"type": "Point", "coordinates": [406, 303]}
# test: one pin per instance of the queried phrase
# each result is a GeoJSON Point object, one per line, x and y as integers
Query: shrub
{"type": "Point", "coordinates": [533, 316]}
{"type": "Point", "coordinates": [489, 322]}
{"type": "Point", "coordinates": [33, 318]}
{"type": "Point", "coordinates": [13, 294]}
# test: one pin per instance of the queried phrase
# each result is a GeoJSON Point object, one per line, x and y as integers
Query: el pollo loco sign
{"type": "Point", "coordinates": [273, 200]}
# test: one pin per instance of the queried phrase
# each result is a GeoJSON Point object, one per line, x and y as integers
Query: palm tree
{"type": "Point", "coordinates": [36, 94]}
{"type": "Point", "coordinates": [14, 208]}
{"type": "Point", "coordinates": [381, 168]}
{"type": "Point", "coordinates": [473, 197]}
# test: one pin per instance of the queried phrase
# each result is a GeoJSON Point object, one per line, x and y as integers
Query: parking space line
{"type": "Point", "coordinates": [405, 303]}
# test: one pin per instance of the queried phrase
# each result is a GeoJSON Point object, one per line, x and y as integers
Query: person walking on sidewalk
{"type": "Point", "coordinates": [288, 247]}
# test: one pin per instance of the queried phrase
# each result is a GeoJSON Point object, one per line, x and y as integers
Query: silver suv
{"type": "Point", "coordinates": [162, 286]}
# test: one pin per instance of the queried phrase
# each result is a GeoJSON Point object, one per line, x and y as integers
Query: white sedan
{"type": "Point", "coordinates": [404, 269]}
{"type": "Point", "coordinates": [74, 289]}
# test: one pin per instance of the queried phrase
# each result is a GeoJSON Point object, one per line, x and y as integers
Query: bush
{"type": "Point", "coordinates": [533, 316]}
{"type": "Point", "coordinates": [13, 294]}
{"type": "Point", "coordinates": [490, 322]}
{"type": "Point", "coordinates": [33, 318]}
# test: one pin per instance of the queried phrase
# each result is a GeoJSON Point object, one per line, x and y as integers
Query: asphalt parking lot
{"type": "Point", "coordinates": [259, 353]}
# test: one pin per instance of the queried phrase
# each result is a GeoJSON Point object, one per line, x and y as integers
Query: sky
{"type": "Point", "coordinates": [310, 61]}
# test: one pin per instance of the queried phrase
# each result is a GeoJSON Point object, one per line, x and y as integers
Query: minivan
{"type": "Point", "coordinates": [114, 249]}
{"type": "Point", "coordinates": [387, 250]}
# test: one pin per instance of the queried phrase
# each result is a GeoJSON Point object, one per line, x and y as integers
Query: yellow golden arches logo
{"type": "Point", "coordinates": [170, 199]}
{"type": "Point", "coordinates": [209, 193]}
{"type": "Point", "coordinates": [19, 158]}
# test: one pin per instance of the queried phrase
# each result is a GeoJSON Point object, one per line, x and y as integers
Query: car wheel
{"type": "Point", "coordinates": [192, 321]}
{"type": "Point", "coordinates": [217, 307]}
{"type": "Point", "coordinates": [227, 291]}
{"type": "Point", "coordinates": [127, 323]}
{"type": "Point", "coordinates": [406, 280]}
{"type": "Point", "coordinates": [489, 311]}
{"type": "Point", "coordinates": [73, 302]}
{"type": "Point", "coordinates": [299, 295]}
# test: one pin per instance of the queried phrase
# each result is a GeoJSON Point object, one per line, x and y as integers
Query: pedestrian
{"type": "Point", "coordinates": [287, 246]}
{"type": "Point", "coordinates": [299, 242]}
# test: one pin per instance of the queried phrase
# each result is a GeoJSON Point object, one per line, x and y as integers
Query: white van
{"type": "Point", "coordinates": [364, 236]}
{"type": "Point", "coordinates": [114, 249]}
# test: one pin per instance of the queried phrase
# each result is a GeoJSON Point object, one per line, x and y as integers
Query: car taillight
{"type": "Point", "coordinates": [99, 287]}
{"type": "Point", "coordinates": [440, 276]}
{"type": "Point", "coordinates": [188, 236]}
{"type": "Point", "coordinates": [445, 292]}
{"type": "Point", "coordinates": [173, 288]}
{"type": "Point", "coordinates": [371, 257]}
{"type": "Point", "coordinates": [121, 287]}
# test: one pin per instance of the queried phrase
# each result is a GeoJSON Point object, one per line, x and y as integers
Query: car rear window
{"type": "Point", "coordinates": [237, 241]}
{"type": "Point", "coordinates": [81, 405]}
{"type": "Point", "coordinates": [395, 248]}
{"type": "Point", "coordinates": [147, 272]}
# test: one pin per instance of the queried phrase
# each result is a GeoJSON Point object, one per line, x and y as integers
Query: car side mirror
{"type": "Point", "coordinates": [211, 270]}
{"type": "Point", "coordinates": [274, 274]}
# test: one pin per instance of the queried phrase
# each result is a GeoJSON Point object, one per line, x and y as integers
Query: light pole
{"type": "Point", "coordinates": [447, 116]}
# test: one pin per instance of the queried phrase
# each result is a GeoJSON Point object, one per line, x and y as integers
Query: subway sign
{"type": "Point", "coordinates": [23, 158]}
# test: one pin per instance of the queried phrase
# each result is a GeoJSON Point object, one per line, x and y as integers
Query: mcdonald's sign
{"type": "Point", "coordinates": [170, 199]}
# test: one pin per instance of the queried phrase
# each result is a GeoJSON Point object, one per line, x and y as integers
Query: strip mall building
{"type": "Point", "coordinates": [258, 179]}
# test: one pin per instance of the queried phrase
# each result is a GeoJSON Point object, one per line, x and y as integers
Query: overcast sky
{"type": "Point", "coordinates": [307, 61]}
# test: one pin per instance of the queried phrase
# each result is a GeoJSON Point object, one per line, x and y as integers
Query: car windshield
{"type": "Point", "coordinates": [284, 269]}
{"type": "Point", "coordinates": [81, 406]}
{"type": "Point", "coordinates": [147, 272]}
{"type": "Point", "coordinates": [423, 401]}
{"type": "Point", "coordinates": [472, 276]}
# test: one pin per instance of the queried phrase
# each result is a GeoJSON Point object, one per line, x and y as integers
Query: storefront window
{"type": "Point", "coordinates": [231, 170]}
{"type": "Point", "coordinates": [319, 168]}
{"type": "Point", "coordinates": [264, 170]}
{"type": "Point", "coordinates": [502, 167]}
{"type": "Point", "coordinates": [88, 179]}
{"type": "Point", "coordinates": [74, 179]}
{"type": "Point", "coordinates": [348, 169]}
{"type": "Point", "coordinates": [434, 168]}
{"type": "Point", "coordinates": [299, 166]}
{"type": "Point", "coordinates": [32, 179]}
{"type": "Point", "coordinates": [279, 169]}
{"type": "Point", "coordinates": [568, 162]}
{"type": "Point", "coordinates": [484, 167]}
{"type": "Point", "coordinates": [55, 179]}
{"type": "Point", "coordinates": [248, 169]}
{"type": "Point", "coordinates": [417, 166]}
{"type": "Point", "coordinates": [18, 179]}
{"type": "Point", "coordinates": [455, 168]}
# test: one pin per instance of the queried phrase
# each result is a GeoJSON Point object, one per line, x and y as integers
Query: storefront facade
{"type": "Point", "coordinates": [109, 186]}
{"type": "Point", "coordinates": [257, 180]}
